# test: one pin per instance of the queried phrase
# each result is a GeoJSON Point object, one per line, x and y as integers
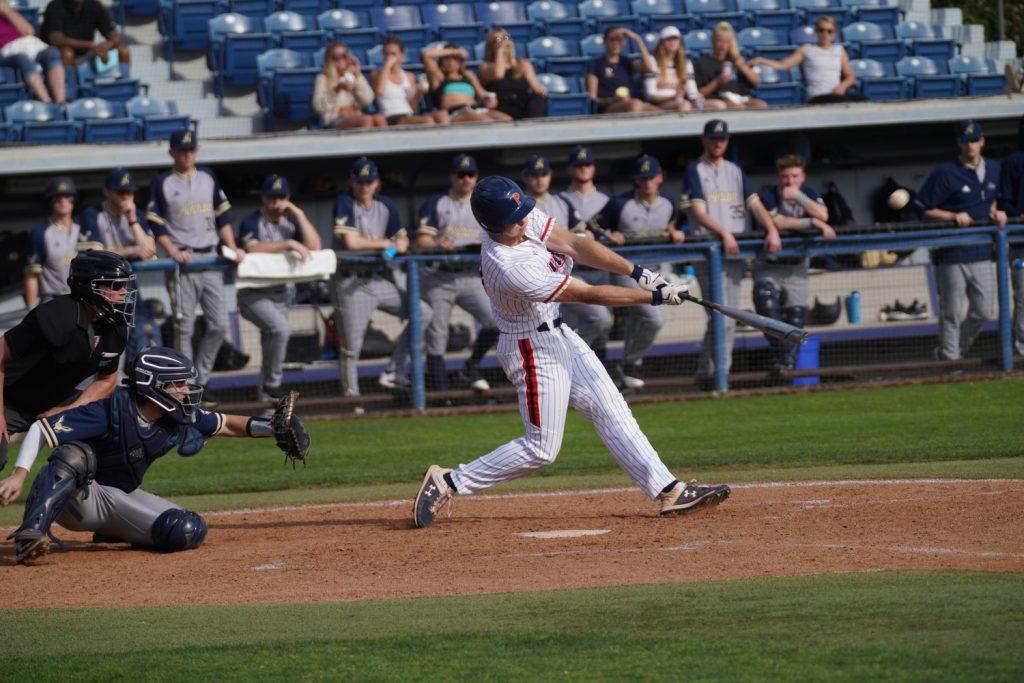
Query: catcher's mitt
{"type": "Point", "coordinates": [289, 432]}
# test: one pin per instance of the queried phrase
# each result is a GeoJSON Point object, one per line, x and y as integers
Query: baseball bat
{"type": "Point", "coordinates": [770, 326]}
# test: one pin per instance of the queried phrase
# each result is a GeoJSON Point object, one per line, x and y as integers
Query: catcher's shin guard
{"type": "Point", "coordinates": [69, 468]}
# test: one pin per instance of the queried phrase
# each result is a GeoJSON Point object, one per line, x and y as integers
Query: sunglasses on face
{"type": "Point", "coordinates": [825, 30]}
{"type": "Point", "coordinates": [466, 174]}
{"type": "Point", "coordinates": [613, 39]}
{"type": "Point", "coordinates": [339, 55]}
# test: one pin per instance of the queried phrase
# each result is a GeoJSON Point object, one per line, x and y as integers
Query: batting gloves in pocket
{"type": "Point", "coordinates": [669, 295]}
{"type": "Point", "coordinates": [648, 279]}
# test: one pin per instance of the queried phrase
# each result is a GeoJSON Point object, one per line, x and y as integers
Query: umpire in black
{"type": "Point", "coordinates": [64, 341]}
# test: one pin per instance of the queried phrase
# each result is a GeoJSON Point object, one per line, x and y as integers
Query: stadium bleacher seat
{"type": "Point", "coordinates": [778, 87]}
{"type": "Point", "coordinates": [803, 35]}
{"type": "Point", "coordinates": [139, 7]}
{"type": "Point", "coordinates": [810, 10]}
{"type": "Point", "coordinates": [293, 31]}
{"type": "Point", "coordinates": [871, 41]}
{"type": "Point", "coordinates": [878, 81]}
{"type": "Point", "coordinates": [557, 56]}
{"type": "Point", "coordinates": [510, 16]}
{"type": "Point", "coordinates": [254, 9]}
{"type": "Point", "coordinates": [650, 39]}
{"type": "Point", "coordinates": [183, 24]}
{"type": "Point", "coordinates": [157, 118]}
{"type": "Point", "coordinates": [285, 87]}
{"type": "Point", "coordinates": [707, 13]}
{"type": "Point", "coordinates": [592, 46]}
{"type": "Point", "coordinates": [6, 132]}
{"type": "Point", "coordinates": [97, 120]}
{"type": "Point", "coordinates": [307, 8]}
{"type": "Point", "coordinates": [116, 86]}
{"type": "Point", "coordinates": [566, 96]}
{"type": "Point", "coordinates": [657, 14]}
{"type": "Point", "coordinates": [698, 42]}
{"type": "Point", "coordinates": [405, 22]}
{"type": "Point", "coordinates": [758, 40]}
{"type": "Point", "coordinates": [560, 20]}
{"type": "Point", "coordinates": [928, 78]}
{"type": "Point", "coordinates": [925, 40]}
{"type": "Point", "coordinates": [773, 14]}
{"type": "Point", "coordinates": [602, 14]}
{"type": "Point", "coordinates": [40, 123]}
{"type": "Point", "coordinates": [880, 12]}
{"type": "Point", "coordinates": [29, 12]}
{"type": "Point", "coordinates": [454, 23]}
{"type": "Point", "coordinates": [346, 26]}
{"type": "Point", "coordinates": [11, 88]}
{"type": "Point", "coordinates": [235, 42]}
{"type": "Point", "coordinates": [978, 76]}
{"type": "Point", "coordinates": [375, 60]}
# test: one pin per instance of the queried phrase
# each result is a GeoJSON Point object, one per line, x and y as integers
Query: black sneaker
{"type": "Point", "coordinates": [686, 498]}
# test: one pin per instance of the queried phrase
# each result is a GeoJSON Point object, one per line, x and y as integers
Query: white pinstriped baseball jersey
{"type": "Point", "coordinates": [524, 280]}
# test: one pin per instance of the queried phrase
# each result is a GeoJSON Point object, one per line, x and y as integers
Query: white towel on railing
{"type": "Point", "coordinates": [260, 270]}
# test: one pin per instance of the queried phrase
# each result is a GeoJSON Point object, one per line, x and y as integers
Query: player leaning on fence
{"type": "Point", "coordinates": [1011, 200]}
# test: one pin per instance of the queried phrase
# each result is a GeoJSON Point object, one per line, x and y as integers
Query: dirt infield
{"type": "Point", "coordinates": [353, 551]}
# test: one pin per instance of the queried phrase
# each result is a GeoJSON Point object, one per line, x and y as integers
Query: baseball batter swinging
{"type": "Point", "coordinates": [526, 263]}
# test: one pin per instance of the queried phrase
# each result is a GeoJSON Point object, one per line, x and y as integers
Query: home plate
{"type": "Point", "coordinates": [564, 533]}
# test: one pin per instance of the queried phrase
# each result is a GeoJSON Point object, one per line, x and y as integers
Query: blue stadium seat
{"type": "Point", "coordinates": [510, 16]}
{"type": "Point", "coordinates": [254, 9]}
{"type": "Point", "coordinates": [707, 13]}
{"type": "Point", "coordinates": [307, 8]}
{"type": "Point", "coordinates": [978, 77]}
{"type": "Point", "coordinates": [220, 27]}
{"type": "Point", "coordinates": [116, 86]}
{"type": "Point", "coordinates": [137, 7]}
{"type": "Point", "coordinates": [592, 46]}
{"type": "Point", "coordinates": [559, 20]}
{"type": "Point", "coordinates": [556, 55]}
{"type": "Point", "coordinates": [756, 39]}
{"type": "Point", "coordinates": [183, 23]}
{"type": "Point", "coordinates": [235, 42]}
{"type": "Point", "coordinates": [455, 23]}
{"type": "Point", "coordinates": [375, 60]}
{"type": "Point", "coordinates": [40, 123]}
{"type": "Point", "coordinates": [773, 14]}
{"type": "Point", "coordinates": [928, 79]}
{"type": "Point", "coordinates": [810, 10]}
{"type": "Point", "coordinates": [657, 14]}
{"type": "Point", "coordinates": [698, 42]}
{"type": "Point", "coordinates": [778, 87]}
{"type": "Point", "coordinates": [293, 31]}
{"type": "Point", "coordinates": [566, 97]}
{"type": "Point", "coordinates": [348, 27]}
{"type": "Point", "coordinates": [925, 40]}
{"type": "Point", "coordinates": [270, 62]}
{"type": "Point", "coordinates": [6, 133]}
{"type": "Point", "coordinates": [11, 89]}
{"type": "Point", "coordinates": [650, 39]}
{"type": "Point", "coordinates": [292, 94]}
{"type": "Point", "coordinates": [877, 81]}
{"type": "Point", "coordinates": [30, 13]}
{"type": "Point", "coordinates": [100, 121]}
{"type": "Point", "coordinates": [803, 35]}
{"type": "Point", "coordinates": [871, 41]}
{"type": "Point", "coordinates": [880, 12]}
{"type": "Point", "coordinates": [157, 118]}
{"type": "Point", "coordinates": [405, 22]}
{"type": "Point", "coordinates": [602, 14]}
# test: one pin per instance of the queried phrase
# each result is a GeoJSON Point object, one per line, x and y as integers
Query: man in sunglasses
{"type": "Point", "coordinates": [447, 224]}
{"type": "Point", "coordinates": [64, 341]}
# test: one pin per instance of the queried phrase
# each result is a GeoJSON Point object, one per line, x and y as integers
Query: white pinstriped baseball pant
{"type": "Point", "coordinates": [551, 371]}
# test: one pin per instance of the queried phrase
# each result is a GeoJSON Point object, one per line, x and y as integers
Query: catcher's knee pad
{"type": "Point", "coordinates": [178, 529]}
{"type": "Point", "coordinates": [69, 468]}
{"type": "Point", "coordinates": [768, 299]}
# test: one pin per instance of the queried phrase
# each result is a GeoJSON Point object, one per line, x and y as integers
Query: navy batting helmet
{"type": "Point", "coordinates": [155, 370]}
{"type": "Point", "coordinates": [498, 201]}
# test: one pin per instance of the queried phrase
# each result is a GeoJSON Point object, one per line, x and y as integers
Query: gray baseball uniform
{"type": "Point", "coordinates": [113, 230]}
{"type": "Point", "coordinates": [591, 321]}
{"type": "Point", "coordinates": [787, 275]}
{"type": "Point", "coordinates": [50, 252]}
{"type": "Point", "coordinates": [190, 209]}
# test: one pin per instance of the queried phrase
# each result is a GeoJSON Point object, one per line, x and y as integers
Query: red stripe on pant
{"type": "Point", "coordinates": [532, 399]}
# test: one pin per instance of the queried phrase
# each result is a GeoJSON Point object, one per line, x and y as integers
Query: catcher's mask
{"type": "Point", "coordinates": [168, 379]}
{"type": "Point", "coordinates": [105, 281]}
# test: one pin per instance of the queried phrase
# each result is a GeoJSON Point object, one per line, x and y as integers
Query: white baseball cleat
{"type": "Point", "coordinates": [434, 493]}
{"type": "Point", "coordinates": [480, 385]}
{"type": "Point", "coordinates": [393, 380]}
{"type": "Point", "coordinates": [686, 498]}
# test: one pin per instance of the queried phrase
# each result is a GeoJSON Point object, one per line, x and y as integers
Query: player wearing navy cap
{"type": "Point", "coordinates": [1011, 201]}
{"type": "Point", "coordinates": [278, 226]}
{"type": "Point", "coordinates": [963, 191]}
{"type": "Point", "coordinates": [117, 222]}
{"type": "Point", "coordinates": [53, 244]}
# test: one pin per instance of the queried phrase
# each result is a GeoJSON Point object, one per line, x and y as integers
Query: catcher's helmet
{"type": "Point", "coordinates": [155, 370]}
{"type": "Point", "coordinates": [498, 201]}
{"type": "Point", "coordinates": [105, 281]}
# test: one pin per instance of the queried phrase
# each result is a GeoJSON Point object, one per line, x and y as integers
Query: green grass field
{"type": "Point", "coordinates": [894, 626]}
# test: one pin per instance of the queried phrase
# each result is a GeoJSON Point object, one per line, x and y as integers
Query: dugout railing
{"type": "Point", "coordinates": [850, 241]}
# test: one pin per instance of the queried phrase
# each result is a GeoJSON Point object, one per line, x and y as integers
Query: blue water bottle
{"type": "Point", "coordinates": [853, 307]}
{"type": "Point", "coordinates": [390, 253]}
{"type": "Point", "coordinates": [1018, 264]}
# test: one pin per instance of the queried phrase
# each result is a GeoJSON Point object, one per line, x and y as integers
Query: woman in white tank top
{"type": "Point", "coordinates": [398, 93]}
{"type": "Point", "coordinates": [828, 75]}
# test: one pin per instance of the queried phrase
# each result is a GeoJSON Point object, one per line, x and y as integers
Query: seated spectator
{"type": "Point", "coordinates": [456, 89]}
{"type": "Point", "coordinates": [669, 83]}
{"type": "Point", "coordinates": [71, 26]}
{"type": "Point", "coordinates": [512, 78]}
{"type": "Point", "coordinates": [612, 81]}
{"type": "Point", "coordinates": [341, 92]}
{"type": "Point", "coordinates": [828, 75]}
{"type": "Point", "coordinates": [398, 93]}
{"type": "Point", "coordinates": [724, 74]}
{"type": "Point", "coordinates": [117, 222]}
{"type": "Point", "coordinates": [29, 55]}
{"type": "Point", "coordinates": [52, 245]}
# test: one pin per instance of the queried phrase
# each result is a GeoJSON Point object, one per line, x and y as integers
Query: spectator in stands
{"type": "Point", "coordinates": [398, 92]}
{"type": "Point", "coordinates": [456, 89]}
{"type": "Point", "coordinates": [963, 191]}
{"type": "Point", "coordinates": [117, 222]}
{"type": "Point", "coordinates": [188, 212]}
{"type": "Point", "coordinates": [71, 26]}
{"type": "Point", "coordinates": [278, 227]}
{"type": "Point", "coordinates": [1011, 201]}
{"type": "Point", "coordinates": [724, 75]}
{"type": "Point", "coordinates": [512, 78]}
{"type": "Point", "coordinates": [30, 56]}
{"type": "Point", "coordinates": [53, 244]}
{"type": "Point", "coordinates": [828, 75]}
{"type": "Point", "coordinates": [669, 82]}
{"type": "Point", "coordinates": [718, 199]}
{"type": "Point", "coordinates": [341, 92]}
{"type": "Point", "coordinates": [780, 283]}
{"type": "Point", "coordinates": [612, 79]}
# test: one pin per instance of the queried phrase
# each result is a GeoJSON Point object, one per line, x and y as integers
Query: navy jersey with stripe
{"type": "Point", "coordinates": [113, 230]}
{"type": "Point", "coordinates": [380, 220]}
{"type": "Point", "coordinates": [637, 219]}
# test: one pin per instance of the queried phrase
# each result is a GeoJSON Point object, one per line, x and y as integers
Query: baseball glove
{"type": "Point", "coordinates": [289, 432]}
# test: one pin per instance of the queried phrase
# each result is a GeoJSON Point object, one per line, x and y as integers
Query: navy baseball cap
{"type": "Point", "coordinates": [463, 163]}
{"type": "Point", "coordinates": [536, 165]}
{"type": "Point", "coordinates": [184, 139]}
{"type": "Point", "coordinates": [61, 186]}
{"type": "Point", "coordinates": [716, 129]}
{"type": "Point", "coordinates": [580, 155]}
{"type": "Point", "coordinates": [364, 170]}
{"type": "Point", "coordinates": [275, 186]}
{"type": "Point", "coordinates": [970, 131]}
{"type": "Point", "coordinates": [646, 166]}
{"type": "Point", "coordinates": [120, 179]}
